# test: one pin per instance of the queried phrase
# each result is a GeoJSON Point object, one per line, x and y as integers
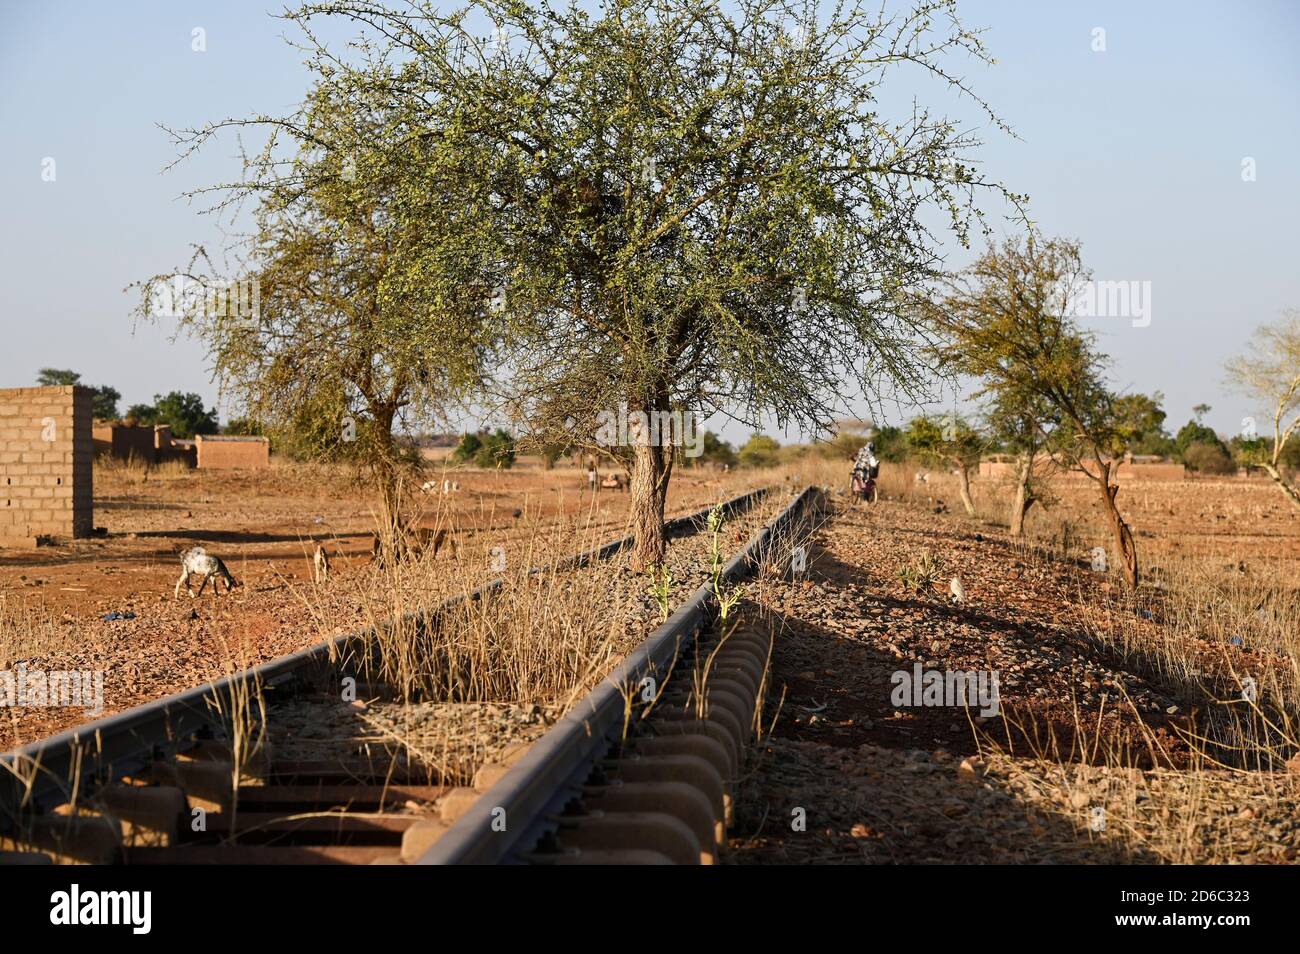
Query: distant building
{"type": "Point", "coordinates": [147, 443]}
{"type": "Point", "coordinates": [230, 452]}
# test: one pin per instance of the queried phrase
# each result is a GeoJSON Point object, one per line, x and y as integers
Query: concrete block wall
{"type": "Point", "coordinates": [46, 460]}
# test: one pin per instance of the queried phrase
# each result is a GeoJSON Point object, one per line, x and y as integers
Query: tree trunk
{"type": "Point", "coordinates": [1120, 530]}
{"type": "Point", "coordinates": [1283, 484]}
{"type": "Point", "coordinates": [1023, 499]}
{"type": "Point", "coordinates": [963, 487]}
{"type": "Point", "coordinates": [649, 492]}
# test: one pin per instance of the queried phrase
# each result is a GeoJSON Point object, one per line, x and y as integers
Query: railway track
{"type": "Point", "coordinates": [179, 780]}
{"type": "Point", "coordinates": [641, 770]}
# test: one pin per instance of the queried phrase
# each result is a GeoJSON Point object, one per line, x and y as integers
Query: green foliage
{"type": "Point", "coordinates": [104, 403]}
{"type": "Point", "coordinates": [1140, 423]}
{"type": "Point", "coordinates": [184, 412]}
{"type": "Point", "coordinates": [717, 451]}
{"type": "Point", "coordinates": [944, 440]}
{"type": "Point", "coordinates": [244, 427]}
{"type": "Point", "coordinates": [469, 446]}
{"type": "Point", "coordinates": [661, 588]}
{"type": "Point", "coordinates": [104, 398]}
{"type": "Point", "coordinates": [56, 377]}
{"type": "Point", "coordinates": [759, 451]}
{"type": "Point", "coordinates": [497, 451]}
{"type": "Point", "coordinates": [920, 575]}
{"type": "Point", "coordinates": [1209, 459]}
{"type": "Point", "coordinates": [891, 443]}
{"type": "Point", "coordinates": [1194, 432]}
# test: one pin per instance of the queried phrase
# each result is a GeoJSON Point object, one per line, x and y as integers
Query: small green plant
{"type": "Point", "coordinates": [661, 587]}
{"type": "Point", "coordinates": [728, 599]}
{"type": "Point", "coordinates": [921, 575]}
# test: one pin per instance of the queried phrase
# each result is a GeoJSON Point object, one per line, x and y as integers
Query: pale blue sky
{"type": "Point", "coordinates": [1136, 151]}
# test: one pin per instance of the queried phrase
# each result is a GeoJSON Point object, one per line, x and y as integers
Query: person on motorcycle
{"type": "Point", "coordinates": [866, 468]}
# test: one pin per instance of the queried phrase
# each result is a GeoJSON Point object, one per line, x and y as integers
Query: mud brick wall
{"type": "Point", "coordinates": [46, 455]}
{"type": "Point", "coordinates": [225, 453]}
{"type": "Point", "coordinates": [126, 442]}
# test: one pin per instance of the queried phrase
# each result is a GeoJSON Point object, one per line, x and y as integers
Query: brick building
{"type": "Point", "coordinates": [46, 459]}
{"type": "Point", "coordinates": [228, 452]}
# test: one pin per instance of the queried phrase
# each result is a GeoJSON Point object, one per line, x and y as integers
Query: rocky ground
{"type": "Point", "coordinates": [1083, 761]}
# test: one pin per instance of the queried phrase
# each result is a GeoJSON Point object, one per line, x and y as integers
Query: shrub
{"type": "Point", "coordinates": [759, 451]}
{"type": "Point", "coordinates": [1209, 459]}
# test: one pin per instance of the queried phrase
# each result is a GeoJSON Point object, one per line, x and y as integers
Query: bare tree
{"type": "Point", "coordinates": [1270, 372]}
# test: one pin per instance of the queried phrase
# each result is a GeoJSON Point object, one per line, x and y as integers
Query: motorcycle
{"type": "Point", "coordinates": [864, 485]}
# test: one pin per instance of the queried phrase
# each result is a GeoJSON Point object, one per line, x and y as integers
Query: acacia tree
{"type": "Point", "coordinates": [702, 209]}
{"type": "Point", "coordinates": [1270, 372]}
{"type": "Point", "coordinates": [1019, 422]}
{"type": "Point", "coordinates": [1008, 320]}
{"type": "Point", "coordinates": [950, 441]}
{"type": "Point", "coordinates": [364, 269]}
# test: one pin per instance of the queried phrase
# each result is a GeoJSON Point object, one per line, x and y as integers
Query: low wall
{"type": "Point", "coordinates": [229, 453]}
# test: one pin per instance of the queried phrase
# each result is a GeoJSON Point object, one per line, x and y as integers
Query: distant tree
{"type": "Point", "coordinates": [1200, 410]}
{"type": "Point", "coordinates": [759, 451]}
{"type": "Point", "coordinates": [1140, 420]}
{"type": "Point", "coordinates": [891, 444]}
{"type": "Point", "coordinates": [497, 451]}
{"type": "Point", "coordinates": [1018, 424]}
{"type": "Point", "coordinates": [1194, 432]}
{"type": "Point", "coordinates": [104, 398]}
{"type": "Point", "coordinates": [1209, 459]}
{"type": "Point", "coordinates": [56, 377]}
{"type": "Point", "coordinates": [244, 427]}
{"type": "Point", "coordinates": [948, 441]}
{"type": "Point", "coordinates": [185, 414]}
{"type": "Point", "coordinates": [843, 446]}
{"type": "Point", "coordinates": [1008, 323]}
{"type": "Point", "coordinates": [141, 414]}
{"type": "Point", "coordinates": [469, 446]}
{"type": "Point", "coordinates": [104, 403]}
{"type": "Point", "coordinates": [1270, 372]}
{"type": "Point", "coordinates": [717, 451]}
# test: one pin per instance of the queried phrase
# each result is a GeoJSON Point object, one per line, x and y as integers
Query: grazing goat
{"type": "Point", "coordinates": [320, 565]}
{"type": "Point", "coordinates": [198, 560]}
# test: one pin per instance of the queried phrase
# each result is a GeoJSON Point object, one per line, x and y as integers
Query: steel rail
{"type": "Point", "coordinates": [45, 773]}
{"type": "Point", "coordinates": [535, 790]}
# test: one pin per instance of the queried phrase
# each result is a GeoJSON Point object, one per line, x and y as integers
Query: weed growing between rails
{"type": "Point", "coordinates": [786, 555]}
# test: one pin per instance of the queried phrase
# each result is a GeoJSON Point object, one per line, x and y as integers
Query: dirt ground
{"type": "Point", "coordinates": [264, 525]}
{"type": "Point", "coordinates": [1086, 759]}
